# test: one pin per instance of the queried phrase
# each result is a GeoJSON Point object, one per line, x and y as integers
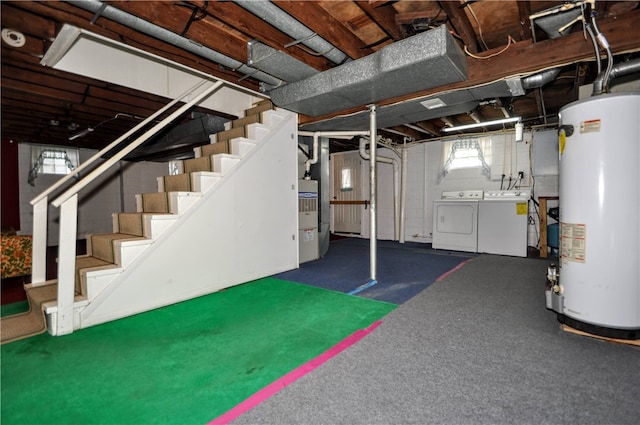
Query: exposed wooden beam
{"type": "Point", "coordinates": [31, 24]}
{"type": "Point", "coordinates": [376, 3]}
{"type": "Point", "coordinates": [429, 127]}
{"type": "Point", "coordinates": [408, 18]}
{"type": "Point", "coordinates": [408, 132]}
{"type": "Point", "coordinates": [523, 57]}
{"type": "Point", "coordinates": [173, 18]}
{"type": "Point", "coordinates": [62, 12]}
{"type": "Point", "coordinates": [385, 16]}
{"type": "Point", "coordinates": [255, 28]}
{"type": "Point", "coordinates": [524, 11]}
{"type": "Point", "coordinates": [461, 24]}
{"type": "Point", "coordinates": [316, 18]}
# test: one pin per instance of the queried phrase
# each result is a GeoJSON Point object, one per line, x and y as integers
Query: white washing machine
{"type": "Point", "coordinates": [503, 217]}
{"type": "Point", "coordinates": [455, 221]}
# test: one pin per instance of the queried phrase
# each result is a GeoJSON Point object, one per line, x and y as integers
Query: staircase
{"type": "Point", "coordinates": [229, 217]}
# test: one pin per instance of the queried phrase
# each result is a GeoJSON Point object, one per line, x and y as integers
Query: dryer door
{"type": "Point", "coordinates": [455, 225]}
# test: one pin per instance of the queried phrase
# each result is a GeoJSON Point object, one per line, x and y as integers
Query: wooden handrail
{"type": "Point", "coordinates": [365, 202]}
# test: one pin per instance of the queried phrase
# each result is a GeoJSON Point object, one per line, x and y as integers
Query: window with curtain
{"type": "Point", "coordinates": [50, 160]}
{"type": "Point", "coordinates": [466, 153]}
{"type": "Point", "coordinates": [346, 181]}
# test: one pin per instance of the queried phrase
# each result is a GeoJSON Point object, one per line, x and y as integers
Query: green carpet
{"type": "Point", "coordinates": [14, 308]}
{"type": "Point", "coordinates": [183, 364]}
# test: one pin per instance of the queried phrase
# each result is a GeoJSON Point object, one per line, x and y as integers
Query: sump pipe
{"type": "Point", "coordinates": [103, 9]}
{"type": "Point", "coordinates": [316, 136]}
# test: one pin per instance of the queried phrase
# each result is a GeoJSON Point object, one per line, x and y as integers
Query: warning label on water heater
{"type": "Point", "coordinates": [573, 242]}
{"type": "Point", "coordinates": [590, 126]}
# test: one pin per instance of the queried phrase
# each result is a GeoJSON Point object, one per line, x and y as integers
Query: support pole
{"type": "Point", "coordinates": [373, 228]}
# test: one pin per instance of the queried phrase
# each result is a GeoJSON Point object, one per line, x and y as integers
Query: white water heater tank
{"type": "Point", "coordinates": [600, 211]}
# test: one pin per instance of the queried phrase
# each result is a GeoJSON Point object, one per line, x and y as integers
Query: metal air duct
{"type": "Point", "coordinates": [538, 80]}
{"type": "Point", "coordinates": [426, 60]}
{"type": "Point", "coordinates": [131, 21]}
{"type": "Point", "coordinates": [294, 28]}
{"type": "Point", "coordinates": [277, 63]}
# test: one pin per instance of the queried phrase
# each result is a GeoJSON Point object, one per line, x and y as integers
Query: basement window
{"type": "Point", "coordinates": [175, 167]}
{"type": "Point", "coordinates": [47, 160]}
{"type": "Point", "coordinates": [466, 154]}
{"type": "Point", "coordinates": [346, 180]}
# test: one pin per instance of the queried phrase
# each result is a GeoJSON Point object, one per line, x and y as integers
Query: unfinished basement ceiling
{"type": "Point", "coordinates": [490, 49]}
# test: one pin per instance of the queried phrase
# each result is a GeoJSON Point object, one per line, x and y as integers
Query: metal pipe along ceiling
{"type": "Point", "coordinates": [131, 21]}
{"type": "Point", "coordinates": [619, 70]}
{"type": "Point", "coordinates": [294, 28]}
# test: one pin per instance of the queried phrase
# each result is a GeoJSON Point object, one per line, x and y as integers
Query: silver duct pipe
{"type": "Point", "coordinates": [316, 143]}
{"type": "Point", "coordinates": [294, 28]}
{"type": "Point", "coordinates": [619, 70]}
{"type": "Point", "coordinates": [538, 80]}
{"type": "Point", "coordinates": [131, 21]}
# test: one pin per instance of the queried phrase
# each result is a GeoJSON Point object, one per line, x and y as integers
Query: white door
{"type": "Point", "coordinates": [347, 187]}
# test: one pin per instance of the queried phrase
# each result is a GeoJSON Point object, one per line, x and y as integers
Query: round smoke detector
{"type": "Point", "coordinates": [13, 38]}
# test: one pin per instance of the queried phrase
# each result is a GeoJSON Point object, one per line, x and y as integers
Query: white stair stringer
{"type": "Point", "coordinates": [95, 279]}
{"type": "Point", "coordinates": [242, 227]}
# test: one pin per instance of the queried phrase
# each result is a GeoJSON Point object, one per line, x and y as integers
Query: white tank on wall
{"type": "Point", "coordinates": [600, 214]}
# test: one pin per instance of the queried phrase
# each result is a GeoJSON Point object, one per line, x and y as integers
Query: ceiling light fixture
{"type": "Point", "coordinates": [81, 133]}
{"type": "Point", "coordinates": [481, 124]}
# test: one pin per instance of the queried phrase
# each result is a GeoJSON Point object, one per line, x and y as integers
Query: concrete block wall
{"type": "Point", "coordinates": [113, 192]}
{"type": "Point", "coordinates": [534, 156]}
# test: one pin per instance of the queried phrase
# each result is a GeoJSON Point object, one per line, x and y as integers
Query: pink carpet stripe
{"type": "Point", "coordinates": [292, 376]}
{"type": "Point", "coordinates": [459, 266]}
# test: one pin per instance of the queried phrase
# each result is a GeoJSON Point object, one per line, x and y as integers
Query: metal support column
{"type": "Point", "coordinates": [373, 228]}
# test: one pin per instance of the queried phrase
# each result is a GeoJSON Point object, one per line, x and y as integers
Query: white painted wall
{"type": "Point", "coordinates": [113, 192]}
{"type": "Point", "coordinates": [536, 156]}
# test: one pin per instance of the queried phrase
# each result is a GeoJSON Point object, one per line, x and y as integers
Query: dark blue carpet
{"type": "Point", "coordinates": [403, 269]}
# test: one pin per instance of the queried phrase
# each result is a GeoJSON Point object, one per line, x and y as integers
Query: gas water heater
{"type": "Point", "coordinates": [598, 283]}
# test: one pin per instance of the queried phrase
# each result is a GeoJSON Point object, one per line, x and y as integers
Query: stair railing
{"type": "Point", "coordinates": [68, 204]}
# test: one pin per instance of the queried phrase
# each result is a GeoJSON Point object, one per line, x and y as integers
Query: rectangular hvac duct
{"type": "Point", "coordinates": [427, 60]}
{"type": "Point", "coordinates": [277, 63]}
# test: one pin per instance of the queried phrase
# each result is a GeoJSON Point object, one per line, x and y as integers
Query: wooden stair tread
{"type": "Point", "coordinates": [102, 245]}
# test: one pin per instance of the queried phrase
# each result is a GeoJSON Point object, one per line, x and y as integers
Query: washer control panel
{"type": "Point", "coordinates": [497, 195]}
{"type": "Point", "coordinates": [462, 194]}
